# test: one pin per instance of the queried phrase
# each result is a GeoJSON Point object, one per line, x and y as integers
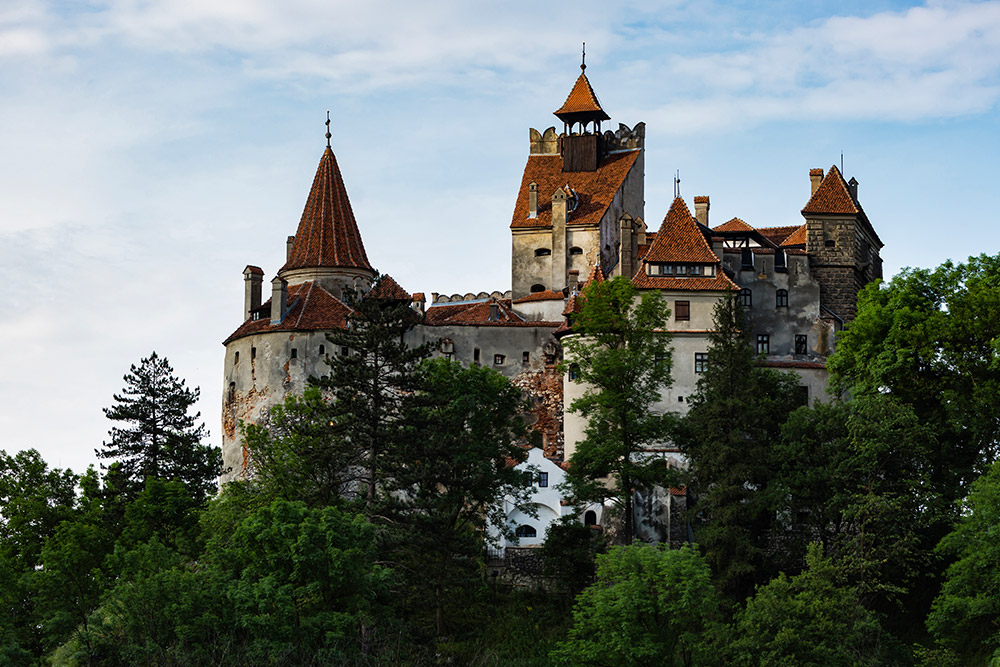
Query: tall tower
{"type": "Point", "coordinates": [578, 188]}
{"type": "Point", "coordinates": [282, 342]}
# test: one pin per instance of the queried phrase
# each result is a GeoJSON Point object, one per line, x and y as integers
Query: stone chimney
{"type": "Point", "coordinates": [494, 311]}
{"type": "Point", "coordinates": [288, 247]}
{"type": "Point", "coordinates": [560, 214]}
{"type": "Point", "coordinates": [532, 200]}
{"type": "Point", "coordinates": [574, 281]}
{"type": "Point", "coordinates": [279, 299]}
{"type": "Point", "coordinates": [815, 178]}
{"type": "Point", "coordinates": [701, 210]}
{"type": "Point", "coordinates": [253, 277]}
{"type": "Point", "coordinates": [852, 187]}
{"type": "Point", "coordinates": [419, 302]}
{"type": "Point", "coordinates": [625, 240]}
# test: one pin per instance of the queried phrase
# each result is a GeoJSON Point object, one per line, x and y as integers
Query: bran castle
{"type": "Point", "coordinates": [578, 216]}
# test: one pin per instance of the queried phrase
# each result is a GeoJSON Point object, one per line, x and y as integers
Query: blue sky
{"type": "Point", "coordinates": [153, 148]}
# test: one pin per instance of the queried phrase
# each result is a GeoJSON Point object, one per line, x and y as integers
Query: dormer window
{"type": "Point", "coordinates": [542, 252]}
{"type": "Point", "coordinates": [746, 259]}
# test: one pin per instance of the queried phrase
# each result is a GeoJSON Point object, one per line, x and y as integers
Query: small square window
{"type": "Point", "coordinates": [344, 351]}
{"type": "Point", "coordinates": [543, 480]}
{"type": "Point", "coordinates": [763, 344]}
{"type": "Point", "coordinates": [525, 357]}
{"type": "Point", "coordinates": [295, 353]}
{"type": "Point", "coordinates": [498, 359]}
{"type": "Point", "coordinates": [700, 362]}
{"type": "Point", "coordinates": [801, 344]}
{"type": "Point", "coordinates": [746, 297]}
{"type": "Point", "coordinates": [682, 311]}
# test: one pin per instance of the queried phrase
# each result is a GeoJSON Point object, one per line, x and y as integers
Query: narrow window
{"type": "Point", "coordinates": [746, 263]}
{"type": "Point", "coordinates": [253, 353]}
{"type": "Point", "coordinates": [322, 350]}
{"type": "Point", "coordinates": [746, 297]}
{"type": "Point", "coordinates": [803, 395]}
{"type": "Point", "coordinates": [542, 252]}
{"type": "Point", "coordinates": [526, 531]}
{"type": "Point", "coordinates": [525, 357]}
{"type": "Point", "coordinates": [781, 299]}
{"type": "Point", "coordinates": [700, 362]}
{"type": "Point", "coordinates": [344, 351]}
{"type": "Point", "coordinates": [295, 353]}
{"type": "Point", "coordinates": [590, 518]}
{"type": "Point", "coordinates": [763, 344]}
{"type": "Point", "coordinates": [682, 311]}
{"type": "Point", "coordinates": [543, 480]}
{"type": "Point", "coordinates": [537, 288]}
{"type": "Point", "coordinates": [780, 261]}
{"type": "Point", "coordinates": [800, 344]}
{"type": "Point", "coordinates": [236, 358]}
{"type": "Point", "coordinates": [475, 356]}
{"type": "Point", "coordinates": [574, 371]}
{"type": "Point", "coordinates": [680, 399]}
{"type": "Point", "coordinates": [498, 359]}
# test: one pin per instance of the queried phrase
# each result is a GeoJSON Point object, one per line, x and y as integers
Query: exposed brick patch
{"type": "Point", "coordinates": [545, 390]}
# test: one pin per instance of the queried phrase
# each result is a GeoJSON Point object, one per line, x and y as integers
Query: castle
{"type": "Point", "coordinates": [578, 216]}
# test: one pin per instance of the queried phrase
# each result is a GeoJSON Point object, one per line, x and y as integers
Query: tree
{"type": "Point", "coordinates": [813, 619]}
{"type": "Point", "coordinates": [159, 438]}
{"type": "Point", "coordinates": [728, 434]}
{"type": "Point", "coordinates": [372, 389]}
{"type": "Point", "coordinates": [649, 606]}
{"type": "Point", "coordinates": [620, 354]}
{"type": "Point", "coordinates": [966, 615]}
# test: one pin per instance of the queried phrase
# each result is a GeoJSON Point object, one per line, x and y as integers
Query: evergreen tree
{"type": "Point", "coordinates": [621, 355]}
{"type": "Point", "coordinates": [734, 420]}
{"type": "Point", "coordinates": [159, 437]}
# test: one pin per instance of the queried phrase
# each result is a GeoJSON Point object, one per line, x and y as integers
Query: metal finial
{"type": "Point", "coordinates": [328, 135]}
{"type": "Point", "coordinates": [677, 184]}
{"type": "Point", "coordinates": [583, 60]}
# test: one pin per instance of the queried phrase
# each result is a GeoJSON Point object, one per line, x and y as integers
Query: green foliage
{"type": "Point", "coordinates": [728, 434]}
{"type": "Point", "coordinates": [569, 553]}
{"type": "Point", "coordinates": [812, 619]}
{"type": "Point", "coordinates": [159, 438]}
{"type": "Point", "coordinates": [623, 359]}
{"type": "Point", "coordinates": [649, 606]}
{"type": "Point", "coordinates": [966, 615]}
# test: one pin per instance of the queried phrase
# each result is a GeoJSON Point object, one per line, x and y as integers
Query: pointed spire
{"type": "Point", "coordinates": [679, 239]}
{"type": "Point", "coordinates": [582, 105]}
{"type": "Point", "coordinates": [328, 234]}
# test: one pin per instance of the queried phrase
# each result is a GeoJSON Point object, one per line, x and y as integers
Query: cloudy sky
{"type": "Point", "coordinates": [153, 148]}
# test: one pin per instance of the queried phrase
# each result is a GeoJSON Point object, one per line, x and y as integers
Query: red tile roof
{"type": "Point", "coordinates": [254, 269]}
{"type": "Point", "coordinates": [596, 276]}
{"type": "Point", "coordinates": [582, 100]}
{"type": "Point", "coordinates": [679, 239]}
{"type": "Point", "coordinates": [734, 225]}
{"type": "Point", "coordinates": [547, 295]}
{"type": "Point", "coordinates": [798, 237]}
{"type": "Point", "coordinates": [388, 288]}
{"type": "Point", "coordinates": [778, 234]}
{"type": "Point", "coordinates": [832, 196]}
{"type": "Point", "coordinates": [477, 313]}
{"type": "Point", "coordinates": [328, 234]}
{"type": "Point", "coordinates": [718, 282]}
{"type": "Point", "coordinates": [595, 189]}
{"type": "Point", "coordinates": [311, 308]}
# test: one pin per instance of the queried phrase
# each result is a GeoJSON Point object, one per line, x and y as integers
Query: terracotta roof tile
{"type": "Point", "coordinates": [477, 313]}
{"type": "Point", "coordinates": [798, 237]}
{"type": "Point", "coordinates": [311, 308]}
{"type": "Point", "coordinates": [793, 364]}
{"type": "Point", "coordinates": [718, 282]}
{"type": "Point", "coordinates": [328, 234]}
{"type": "Point", "coordinates": [388, 288]}
{"type": "Point", "coordinates": [734, 225]}
{"type": "Point", "coordinates": [778, 234]}
{"type": "Point", "coordinates": [256, 270]}
{"type": "Point", "coordinates": [547, 295]}
{"type": "Point", "coordinates": [595, 189]}
{"type": "Point", "coordinates": [832, 196]}
{"type": "Point", "coordinates": [582, 100]}
{"type": "Point", "coordinates": [679, 239]}
{"type": "Point", "coordinates": [596, 275]}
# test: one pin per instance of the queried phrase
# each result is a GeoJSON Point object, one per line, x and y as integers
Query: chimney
{"type": "Point", "coordinates": [625, 254]}
{"type": "Point", "coordinates": [815, 178]}
{"type": "Point", "coordinates": [533, 200]}
{"type": "Point", "coordinates": [288, 247]}
{"type": "Point", "coordinates": [253, 277]}
{"type": "Point", "coordinates": [852, 187]}
{"type": "Point", "coordinates": [494, 311]}
{"type": "Point", "coordinates": [418, 302]}
{"type": "Point", "coordinates": [560, 213]}
{"type": "Point", "coordinates": [574, 281]}
{"type": "Point", "coordinates": [279, 299]}
{"type": "Point", "coordinates": [701, 210]}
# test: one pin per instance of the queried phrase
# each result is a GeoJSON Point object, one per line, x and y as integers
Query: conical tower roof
{"type": "Point", "coordinates": [328, 234]}
{"type": "Point", "coordinates": [582, 104]}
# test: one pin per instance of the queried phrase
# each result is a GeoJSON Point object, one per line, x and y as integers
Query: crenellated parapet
{"type": "Point", "coordinates": [544, 143]}
{"type": "Point", "coordinates": [470, 296]}
{"type": "Point", "coordinates": [625, 138]}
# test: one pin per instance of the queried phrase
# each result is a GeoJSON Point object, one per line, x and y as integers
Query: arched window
{"type": "Point", "coordinates": [781, 299]}
{"type": "Point", "coordinates": [542, 252]}
{"type": "Point", "coordinates": [576, 251]}
{"type": "Point", "coordinates": [537, 288]}
{"type": "Point", "coordinates": [526, 531]}
{"type": "Point", "coordinates": [574, 371]}
{"type": "Point", "coordinates": [590, 518]}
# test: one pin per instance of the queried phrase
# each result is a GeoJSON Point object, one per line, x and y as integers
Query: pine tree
{"type": "Point", "coordinates": [159, 437]}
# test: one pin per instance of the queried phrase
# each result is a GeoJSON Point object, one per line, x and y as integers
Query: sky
{"type": "Point", "coordinates": [151, 149]}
